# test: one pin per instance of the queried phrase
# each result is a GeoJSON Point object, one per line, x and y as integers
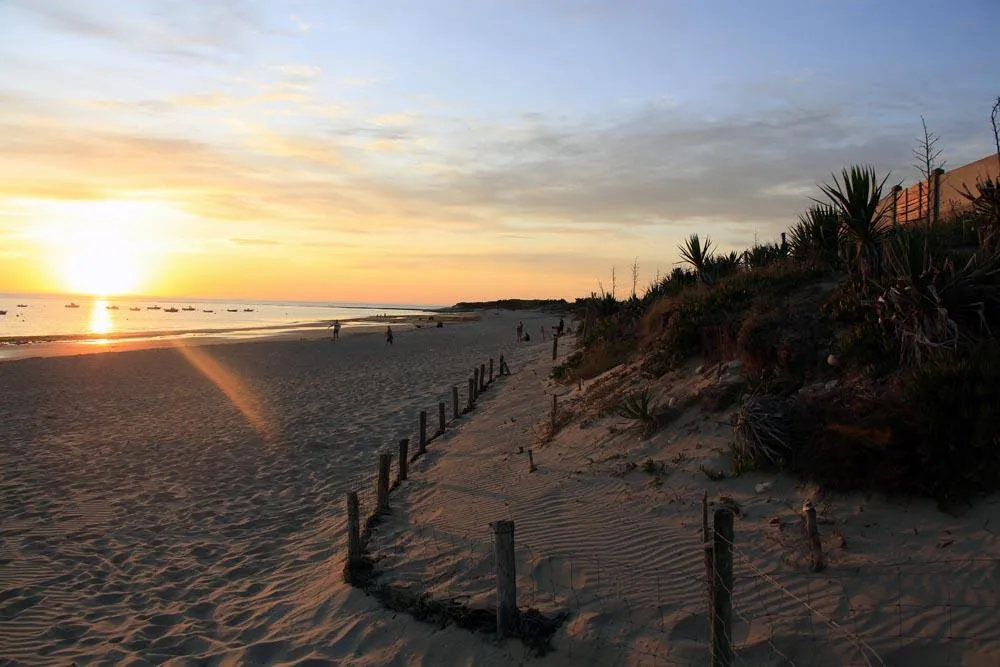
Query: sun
{"type": "Point", "coordinates": [102, 249]}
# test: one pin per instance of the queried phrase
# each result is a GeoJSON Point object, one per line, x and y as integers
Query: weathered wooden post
{"type": "Point", "coordinates": [937, 193]}
{"type": "Point", "coordinates": [920, 201]}
{"type": "Point", "coordinates": [454, 400]}
{"type": "Point", "coordinates": [472, 390]}
{"type": "Point", "coordinates": [353, 535]}
{"type": "Point", "coordinates": [503, 558]}
{"type": "Point", "coordinates": [552, 425]}
{"type": "Point", "coordinates": [895, 204]}
{"type": "Point", "coordinates": [482, 377]}
{"type": "Point", "coordinates": [491, 370]}
{"type": "Point", "coordinates": [531, 462]}
{"type": "Point", "coordinates": [441, 419]}
{"type": "Point", "coordinates": [501, 372]}
{"type": "Point", "coordinates": [384, 462]}
{"type": "Point", "coordinates": [812, 535]}
{"type": "Point", "coordinates": [722, 589]}
{"type": "Point", "coordinates": [475, 384]}
{"type": "Point", "coordinates": [404, 461]}
{"type": "Point", "coordinates": [555, 347]}
{"type": "Point", "coordinates": [422, 443]}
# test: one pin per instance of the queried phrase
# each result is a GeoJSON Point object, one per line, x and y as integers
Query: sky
{"type": "Point", "coordinates": [437, 151]}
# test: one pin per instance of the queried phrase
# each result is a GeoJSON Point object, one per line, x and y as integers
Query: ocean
{"type": "Point", "coordinates": [45, 318]}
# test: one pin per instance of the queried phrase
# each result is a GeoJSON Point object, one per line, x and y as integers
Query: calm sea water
{"type": "Point", "coordinates": [43, 316]}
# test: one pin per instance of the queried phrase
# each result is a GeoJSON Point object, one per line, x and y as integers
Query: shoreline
{"type": "Point", "coordinates": [13, 348]}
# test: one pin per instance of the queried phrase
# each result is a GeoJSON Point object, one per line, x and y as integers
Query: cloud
{"type": "Point", "coordinates": [298, 71]}
{"type": "Point", "coordinates": [253, 242]}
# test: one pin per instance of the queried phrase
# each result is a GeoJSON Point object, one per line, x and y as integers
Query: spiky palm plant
{"type": "Point", "coordinates": [817, 235]}
{"type": "Point", "coordinates": [763, 426]}
{"type": "Point", "coordinates": [720, 266]}
{"type": "Point", "coordinates": [698, 256]}
{"type": "Point", "coordinates": [856, 196]}
{"type": "Point", "coordinates": [640, 407]}
{"type": "Point", "coordinates": [928, 302]}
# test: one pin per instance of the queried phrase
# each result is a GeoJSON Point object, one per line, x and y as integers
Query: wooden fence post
{"type": "Point", "coordinates": [441, 420]}
{"type": "Point", "coordinates": [895, 204]}
{"type": "Point", "coordinates": [503, 558]}
{"type": "Point", "coordinates": [454, 400]}
{"type": "Point", "coordinates": [422, 443]}
{"type": "Point", "coordinates": [353, 535]}
{"type": "Point", "coordinates": [937, 193]}
{"type": "Point", "coordinates": [384, 462]}
{"type": "Point", "coordinates": [812, 535]}
{"type": "Point", "coordinates": [920, 200]}
{"type": "Point", "coordinates": [555, 347]}
{"type": "Point", "coordinates": [501, 365]}
{"type": "Point", "coordinates": [482, 377]}
{"type": "Point", "coordinates": [472, 389]}
{"type": "Point", "coordinates": [552, 426]}
{"type": "Point", "coordinates": [531, 462]}
{"type": "Point", "coordinates": [491, 370]}
{"type": "Point", "coordinates": [404, 461]}
{"type": "Point", "coordinates": [475, 384]}
{"type": "Point", "coordinates": [722, 593]}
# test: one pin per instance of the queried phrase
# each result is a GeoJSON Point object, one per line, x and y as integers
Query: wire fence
{"type": "Point", "coordinates": [607, 604]}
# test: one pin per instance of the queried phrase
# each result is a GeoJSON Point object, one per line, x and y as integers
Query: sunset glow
{"type": "Point", "coordinates": [446, 151]}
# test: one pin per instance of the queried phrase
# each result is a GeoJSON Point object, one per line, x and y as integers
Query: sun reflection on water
{"type": "Point", "coordinates": [100, 318]}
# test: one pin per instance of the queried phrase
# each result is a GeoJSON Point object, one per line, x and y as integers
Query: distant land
{"type": "Point", "coordinates": [510, 304]}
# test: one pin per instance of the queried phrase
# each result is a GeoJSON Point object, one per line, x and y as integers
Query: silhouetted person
{"type": "Point", "coordinates": [388, 335]}
{"type": "Point", "coordinates": [520, 331]}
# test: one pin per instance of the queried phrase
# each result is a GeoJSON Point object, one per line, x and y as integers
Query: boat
{"type": "Point", "coordinates": [135, 309]}
{"type": "Point", "coordinates": [248, 310]}
{"type": "Point", "coordinates": [72, 305]}
{"type": "Point", "coordinates": [189, 309]}
{"type": "Point", "coordinates": [152, 308]}
{"type": "Point", "coordinates": [112, 307]}
{"type": "Point", "coordinates": [232, 310]}
{"type": "Point", "coordinates": [208, 311]}
{"type": "Point", "coordinates": [22, 305]}
{"type": "Point", "coordinates": [3, 312]}
{"type": "Point", "coordinates": [170, 310]}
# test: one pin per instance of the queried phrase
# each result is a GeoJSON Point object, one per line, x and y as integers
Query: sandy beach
{"type": "Point", "coordinates": [185, 503]}
{"type": "Point", "coordinates": [152, 515]}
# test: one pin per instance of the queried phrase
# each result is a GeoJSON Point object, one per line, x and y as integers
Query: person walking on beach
{"type": "Point", "coordinates": [559, 329]}
{"type": "Point", "coordinates": [388, 335]}
{"type": "Point", "coordinates": [336, 329]}
{"type": "Point", "coordinates": [520, 331]}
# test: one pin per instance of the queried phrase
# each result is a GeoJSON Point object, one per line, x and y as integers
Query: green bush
{"type": "Point", "coordinates": [639, 407]}
{"type": "Point", "coordinates": [763, 428]}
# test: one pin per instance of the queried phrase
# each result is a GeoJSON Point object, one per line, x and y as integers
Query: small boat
{"type": "Point", "coordinates": [72, 305]}
{"type": "Point", "coordinates": [112, 307]}
{"type": "Point", "coordinates": [170, 310]}
{"type": "Point", "coordinates": [152, 307]}
{"type": "Point", "coordinates": [231, 310]}
{"type": "Point", "coordinates": [22, 305]}
{"type": "Point", "coordinates": [135, 309]}
{"type": "Point", "coordinates": [189, 309]}
{"type": "Point", "coordinates": [3, 312]}
{"type": "Point", "coordinates": [208, 311]}
{"type": "Point", "coordinates": [248, 310]}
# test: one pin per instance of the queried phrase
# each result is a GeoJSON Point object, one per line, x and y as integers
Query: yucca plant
{"type": "Point", "coordinates": [720, 266]}
{"type": "Point", "coordinates": [760, 255]}
{"type": "Point", "coordinates": [856, 197]}
{"type": "Point", "coordinates": [985, 205]}
{"type": "Point", "coordinates": [817, 235]}
{"type": "Point", "coordinates": [930, 303]}
{"type": "Point", "coordinates": [698, 256]}
{"type": "Point", "coordinates": [763, 427]}
{"type": "Point", "coordinates": [640, 408]}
